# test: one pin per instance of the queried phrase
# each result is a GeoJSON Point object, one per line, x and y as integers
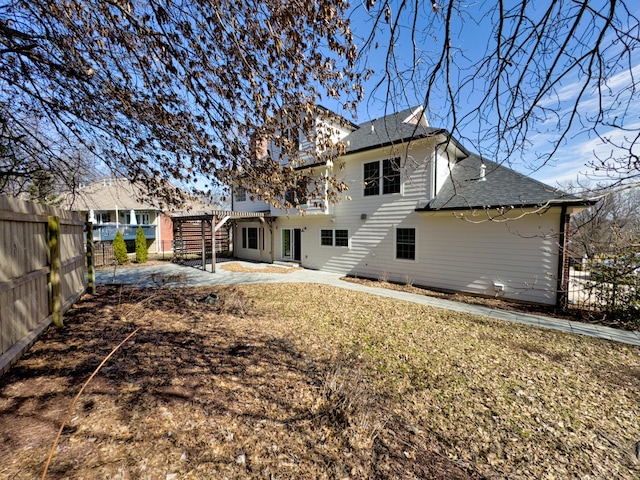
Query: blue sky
{"type": "Point", "coordinates": [570, 163]}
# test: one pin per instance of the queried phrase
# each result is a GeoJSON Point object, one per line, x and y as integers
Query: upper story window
{"type": "Point", "coordinates": [386, 178]}
{"type": "Point", "coordinates": [371, 178]}
{"type": "Point", "coordinates": [298, 195]}
{"type": "Point", "coordinates": [140, 218]}
{"type": "Point", "coordinates": [293, 135]}
{"type": "Point", "coordinates": [240, 195]}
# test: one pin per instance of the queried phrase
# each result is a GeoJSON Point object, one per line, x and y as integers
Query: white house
{"type": "Point", "coordinates": [421, 209]}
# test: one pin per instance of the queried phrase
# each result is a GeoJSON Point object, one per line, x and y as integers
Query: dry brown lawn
{"type": "Point", "coordinates": [309, 381]}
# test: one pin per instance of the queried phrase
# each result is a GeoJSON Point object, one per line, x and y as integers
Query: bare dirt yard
{"type": "Point", "coordinates": [306, 381]}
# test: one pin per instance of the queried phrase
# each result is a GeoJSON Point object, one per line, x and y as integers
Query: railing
{"type": "Point", "coordinates": [106, 232]}
{"type": "Point", "coordinates": [317, 207]}
{"type": "Point", "coordinates": [591, 290]}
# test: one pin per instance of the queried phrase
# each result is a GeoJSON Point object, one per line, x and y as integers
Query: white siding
{"type": "Point", "coordinates": [442, 170]}
{"type": "Point", "coordinates": [520, 254]}
{"type": "Point", "coordinates": [452, 254]}
{"type": "Point", "coordinates": [250, 205]}
{"type": "Point", "coordinates": [372, 240]}
{"type": "Point", "coordinates": [264, 239]}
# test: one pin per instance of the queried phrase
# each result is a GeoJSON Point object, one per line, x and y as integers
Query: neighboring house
{"type": "Point", "coordinates": [116, 204]}
{"type": "Point", "coordinates": [421, 209]}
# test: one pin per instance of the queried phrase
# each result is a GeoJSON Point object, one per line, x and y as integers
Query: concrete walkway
{"type": "Point", "coordinates": [182, 276]}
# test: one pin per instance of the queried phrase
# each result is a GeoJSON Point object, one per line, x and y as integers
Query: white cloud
{"type": "Point", "coordinates": [572, 163]}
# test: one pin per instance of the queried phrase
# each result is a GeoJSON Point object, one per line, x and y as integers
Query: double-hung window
{"type": "Point", "coordinates": [240, 195]}
{"type": "Point", "coordinates": [406, 243]}
{"type": "Point", "coordinates": [334, 238]}
{"type": "Point", "coordinates": [391, 176]}
{"type": "Point", "coordinates": [250, 238]}
{"type": "Point", "coordinates": [386, 178]}
{"type": "Point", "coordinates": [371, 179]}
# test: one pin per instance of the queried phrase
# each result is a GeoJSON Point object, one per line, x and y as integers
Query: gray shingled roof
{"type": "Point", "coordinates": [501, 187]}
{"type": "Point", "coordinates": [106, 194]}
{"type": "Point", "coordinates": [386, 131]}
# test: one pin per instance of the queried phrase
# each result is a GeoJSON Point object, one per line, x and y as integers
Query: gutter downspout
{"type": "Point", "coordinates": [561, 295]}
{"type": "Point", "coordinates": [234, 226]}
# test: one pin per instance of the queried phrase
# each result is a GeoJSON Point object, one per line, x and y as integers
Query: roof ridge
{"type": "Point", "coordinates": [398, 113]}
{"type": "Point", "coordinates": [525, 177]}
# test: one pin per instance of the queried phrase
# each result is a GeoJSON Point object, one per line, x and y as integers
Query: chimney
{"type": "Point", "coordinates": [373, 128]}
{"type": "Point", "coordinates": [258, 146]}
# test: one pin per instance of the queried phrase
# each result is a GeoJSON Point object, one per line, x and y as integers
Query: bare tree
{"type": "Point", "coordinates": [609, 228]}
{"type": "Point", "coordinates": [163, 90]}
{"type": "Point", "coordinates": [31, 163]}
{"type": "Point", "coordinates": [558, 69]}
{"type": "Point", "coordinates": [606, 240]}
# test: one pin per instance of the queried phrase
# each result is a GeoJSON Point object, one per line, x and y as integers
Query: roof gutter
{"type": "Point", "coordinates": [391, 143]}
{"type": "Point", "coordinates": [561, 203]}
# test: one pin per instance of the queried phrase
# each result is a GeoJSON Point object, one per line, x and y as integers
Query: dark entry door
{"type": "Point", "coordinates": [297, 244]}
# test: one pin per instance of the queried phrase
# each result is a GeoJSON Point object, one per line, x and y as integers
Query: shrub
{"type": "Point", "coordinates": [141, 246]}
{"type": "Point", "coordinates": [615, 286]}
{"type": "Point", "coordinates": [120, 249]}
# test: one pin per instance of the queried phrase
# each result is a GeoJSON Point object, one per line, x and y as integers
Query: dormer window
{"type": "Point", "coordinates": [293, 135]}
{"type": "Point", "coordinates": [382, 180]}
{"type": "Point", "coordinates": [298, 195]}
{"type": "Point", "coordinates": [240, 195]}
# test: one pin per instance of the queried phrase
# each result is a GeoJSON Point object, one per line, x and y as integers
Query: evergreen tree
{"type": "Point", "coordinates": [120, 249]}
{"type": "Point", "coordinates": [141, 246]}
{"type": "Point", "coordinates": [43, 189]}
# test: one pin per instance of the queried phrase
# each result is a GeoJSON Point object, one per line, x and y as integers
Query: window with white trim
{"type": "Point", "coordinates": [326, 238]}
{"type": "Point", "coordinates": [341, 238]}
{"type": "Point", "coordinates": [406, 243]}
{"type": "Point", "coordinates": [383, 180]}
{"type": "Point", "coordinates": [334, 238]}
{"type": "Point", "coordinates": [250, 238]}
{"type": "Point", "coordinates": [240, 195]}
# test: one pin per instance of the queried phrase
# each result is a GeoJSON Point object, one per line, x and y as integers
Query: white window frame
{"type": "Point", "coordinates": [415, 243]}
{"type": "Point", "coordinates": [380, 181]}
{"type": "Point", "coordinates": [239, 195]}
{"type": "Point", "coordinates": [333, 237]}
{"type": "Point", "coordinates": [245, 238]}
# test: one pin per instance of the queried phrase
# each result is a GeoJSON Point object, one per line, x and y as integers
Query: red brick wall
{"type": "Point", "coordinates": [166, 232]}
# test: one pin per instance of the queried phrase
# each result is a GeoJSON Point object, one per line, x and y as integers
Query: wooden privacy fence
{"type": "Point", "coordinates": [42, 271]}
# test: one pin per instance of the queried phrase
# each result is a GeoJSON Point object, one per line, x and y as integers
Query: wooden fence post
{"type": "Point", "coordinates": [91, 260]}
{"type": "Point", "coordinates": [55, 265]}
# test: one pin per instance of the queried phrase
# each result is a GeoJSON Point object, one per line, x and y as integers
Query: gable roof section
{"type": "Point", "coordinates": [501, 187]}
{"type": "Point", "coordinates": [106, 194]}
{"type": "Point", "coordinates": [390, 130]}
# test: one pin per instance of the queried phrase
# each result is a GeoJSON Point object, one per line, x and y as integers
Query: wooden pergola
{"type": "Point", "coordinates": [209, 224]}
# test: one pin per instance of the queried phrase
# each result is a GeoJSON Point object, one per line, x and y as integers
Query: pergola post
{"type": "Point", "coordinates": [182, 245]}
{"type": "Point", "coordinates": [204, 245]}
